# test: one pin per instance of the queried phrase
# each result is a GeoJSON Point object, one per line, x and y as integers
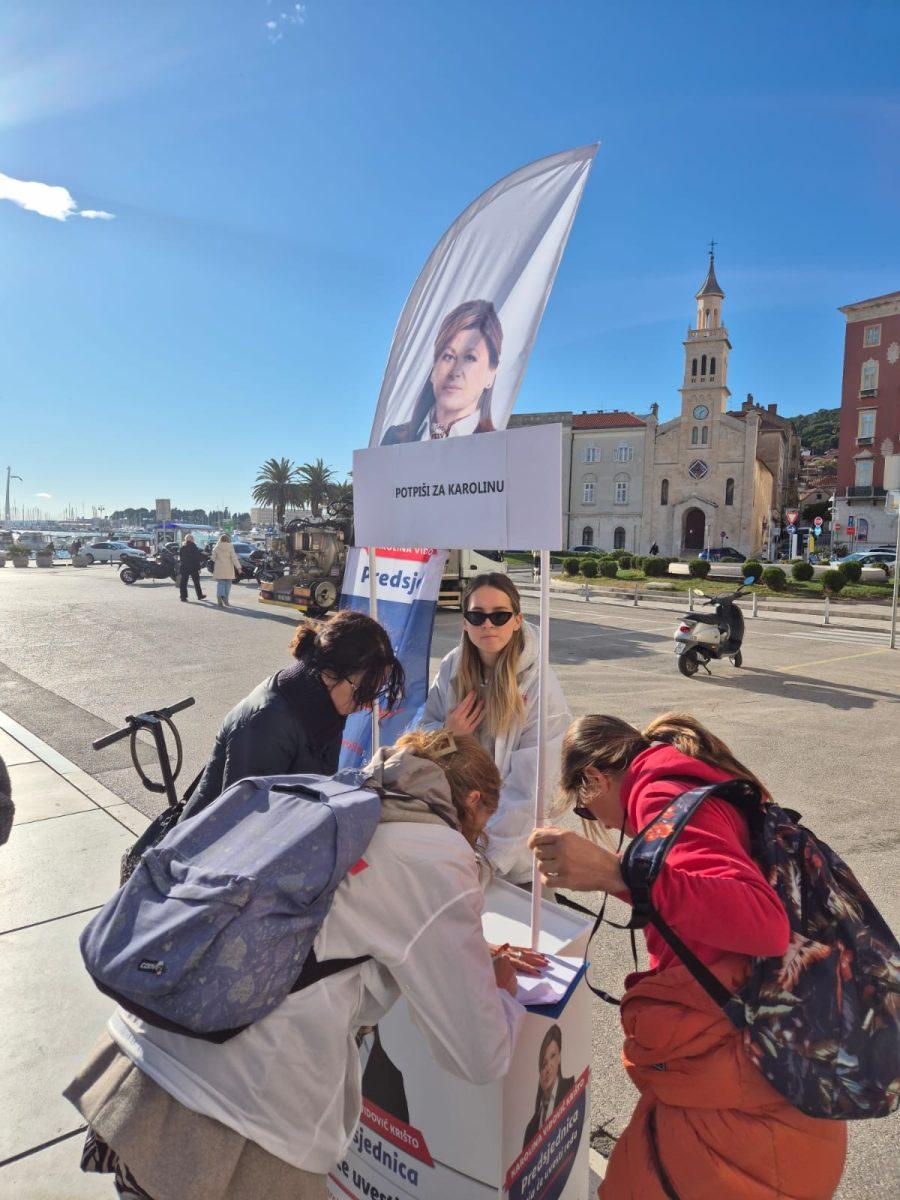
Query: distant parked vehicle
{"type": "Point", "coordinates": [871, 558]}
{"type": "Point", "coordinates": [136, 565]}
{"type": "Point", "coordinates": [722, 554]}
{"type": "Point", "coordinates": [248, 554]}
{"type": "Point", "coordinates": [584, 550]}
{"type": "Point", "coordinates": [107, 552]}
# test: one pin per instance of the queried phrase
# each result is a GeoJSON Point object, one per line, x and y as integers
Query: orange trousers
{"type": "Point", "coordinates": [708, 1125]}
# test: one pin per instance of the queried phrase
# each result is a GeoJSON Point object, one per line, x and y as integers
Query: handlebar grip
{"type": "Point", "coordinates": [176, 708]}
{"type": "Point", "coordinates": [103, 742]}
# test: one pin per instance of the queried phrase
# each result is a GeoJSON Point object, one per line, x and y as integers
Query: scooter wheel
{"type": "Point", "coordinates": [689, 662]}
{"type": "Point", "coordinates": [737, 660]}
{"type": "Point", "coordinates": [127, 575]}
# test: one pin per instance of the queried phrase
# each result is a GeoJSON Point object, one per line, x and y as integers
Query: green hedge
{"type": "Point", "coordinates": [609, 568]}
{"type": "Point", "coordinates": [851, 571]}
{"type": "Point", "coordinates": [833, 581]}
{"type": "Point", "coordinates": [802, 571]}
{"type": "Point", "coordinates": [754, 568]}
{"type": "Point", "coordinates": [571, 566]}
{"type": "Point", "coordinates": [699, 568]}
{"type": "Point", "coordinates": [775, 579]}
{"type": "Point", "coordinates": [589, 568]}
{"type": "Point", "coordinates": [655, 567]}
{"type": "Point", "coordinates": [626, 562]}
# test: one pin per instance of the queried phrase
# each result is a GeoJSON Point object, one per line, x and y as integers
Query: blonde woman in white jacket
{"type": "Point", "coordinates": [266, 1115]}
{"type": "Point", "coordinates": [226, 565]}
{"type": "Point", "coordinates": [488, 687]}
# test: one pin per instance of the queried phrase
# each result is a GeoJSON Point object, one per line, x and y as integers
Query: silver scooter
{"type": "Point", "coordinates": [719, 634]}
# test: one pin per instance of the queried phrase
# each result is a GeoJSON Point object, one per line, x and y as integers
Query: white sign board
{"type": "Point", "coordinates": [163, 510]}
{"type": "Point", "coordinates": [427, 1135]}
{"type": "Point", "coordinates": [497, 491]}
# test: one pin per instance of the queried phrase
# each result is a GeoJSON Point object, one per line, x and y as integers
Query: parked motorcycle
{"type": "Point", "coordinates": [268, 567]}
{"type": "Point", "coordinates": [718, 634]}
{"type": "Point", "coordinates": [163, 566]}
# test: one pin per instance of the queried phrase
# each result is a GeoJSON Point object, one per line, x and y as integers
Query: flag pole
{"type": "Point", "coordinates": [373, 613]}
{"type": "Point", "coordinates": [541, 788]}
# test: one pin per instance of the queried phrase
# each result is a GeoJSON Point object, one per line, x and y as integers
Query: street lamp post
{"type": "Point", "coordinates": [9, 476]}
{"type": "Point", "coordinates": [896, 499]}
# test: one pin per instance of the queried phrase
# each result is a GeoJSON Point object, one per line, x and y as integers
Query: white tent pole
{"type": "Point", "coordinates": [540, 790]}
{"type": "Point", "coordinates": [373, 613]}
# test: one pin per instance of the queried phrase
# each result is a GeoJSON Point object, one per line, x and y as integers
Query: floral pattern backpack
{"type": "Point", "coordinates": [822, 1023]}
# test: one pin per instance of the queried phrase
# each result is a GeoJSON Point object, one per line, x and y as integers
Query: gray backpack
{"type": "Point", "coordinates": [216, 925]}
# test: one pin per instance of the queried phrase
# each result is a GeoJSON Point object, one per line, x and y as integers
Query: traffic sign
{"type": "Point", "coordinates": [818, 522]}
{"type": "Point", "coordinates": [792, 517]}
{"type": "Point", "coordinates": [850, 522]}
{"type": "Point", "coordinates": [792, 528]}
{"type": "Point", "coordinates": [837, 527]}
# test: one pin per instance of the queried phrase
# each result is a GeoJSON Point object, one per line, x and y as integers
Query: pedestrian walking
{"type": "Point", "coordinates": [269, 1113]}
{"type": "Point", "coordinates": [190, 560]}
{"type": "Point", "coordinates": [654, 550]}
{"type": "Point", "coordinates": [75, 547]}
{"type": "Point", "coordinates": [226, 566]}
{"type": "Point", "coordinates": [488, 686]}
{"type": "Point", "coordinates": [292, 722]}
{"type": "Point", "coordinates": [708, 1122]}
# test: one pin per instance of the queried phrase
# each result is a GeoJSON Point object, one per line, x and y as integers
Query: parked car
{"type": "Point", "coordinates": [722, 554]}
{"type": "Point", "coordinates": [107, 552]}
{"type": "Point", "coordinates": [584, 550]}
{"type": "Point", "coordinates": [871, 558]}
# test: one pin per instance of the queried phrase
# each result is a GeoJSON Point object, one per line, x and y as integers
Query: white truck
{"type": "Point", "coordinates": [463, 565]}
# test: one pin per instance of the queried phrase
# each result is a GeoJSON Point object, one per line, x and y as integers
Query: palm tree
{"type": "Point", "coordinates": [316, 485]}
{"type": "Point", "coordinates": [278, 484]}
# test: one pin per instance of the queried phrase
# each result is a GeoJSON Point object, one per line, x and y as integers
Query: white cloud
{"type": "Point", "coordinates": [45, 199]}
{"type": "Point", "coordinates": [44, 495]}
{"type": "Point", "coordinates": [294, 15]}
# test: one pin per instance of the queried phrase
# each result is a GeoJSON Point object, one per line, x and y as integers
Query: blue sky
{"type": "Point", "coordinates": [275, 191]}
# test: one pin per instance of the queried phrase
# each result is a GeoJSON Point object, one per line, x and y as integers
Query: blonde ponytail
{"type": "Point", "coordinates": [695, 740]}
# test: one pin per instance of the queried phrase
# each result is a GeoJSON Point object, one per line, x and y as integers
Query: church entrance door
{"type": "Point", "coordinates": [694, 529]}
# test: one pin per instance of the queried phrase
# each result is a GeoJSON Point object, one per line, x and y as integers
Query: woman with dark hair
{"type": "Point", "coordinates": [488, 686]}
{"type": "Point", "coordinates": [292, 722]}
{"type": "Point", "coordinates": [708, 1123]}
{"type": "Point", "coordinates": [456, 398]}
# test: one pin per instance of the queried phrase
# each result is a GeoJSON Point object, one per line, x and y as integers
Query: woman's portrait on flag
{"type": "Point", "coordinates": [455, 398]}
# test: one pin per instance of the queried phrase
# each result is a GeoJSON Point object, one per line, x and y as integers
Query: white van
{"type": "Point", "coordinates": [463, 565]}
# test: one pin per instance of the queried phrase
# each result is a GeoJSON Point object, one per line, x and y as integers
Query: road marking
{"type": "Point", "coordinates": [818, 662]}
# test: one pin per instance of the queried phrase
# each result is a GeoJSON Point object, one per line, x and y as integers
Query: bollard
{"type": "Point", "coordinates": [587, 594]}
{"type": "Point", "coordinates": [690, 599]}
{"type": "Point", "coordinates": [755, 599]}
{"type": "Point", "coordinates": [826, 620]}
{"type": "Point", "coordinates": [636, 585]}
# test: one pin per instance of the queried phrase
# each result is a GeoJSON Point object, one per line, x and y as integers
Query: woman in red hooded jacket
{"type": "Point", "coordinates": [708, 1125]}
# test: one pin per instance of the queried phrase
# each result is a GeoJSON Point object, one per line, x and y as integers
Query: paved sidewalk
{"type": "Point", "coordinates": [59, 866]}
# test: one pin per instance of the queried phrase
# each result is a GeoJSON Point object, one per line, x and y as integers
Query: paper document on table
{"type": "Point", "coordinates": [552, 985]}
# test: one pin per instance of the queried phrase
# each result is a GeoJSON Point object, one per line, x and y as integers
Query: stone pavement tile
{"type": "Point", "coordinates": [53, 1015]}
{"type": "Point", "coordinates": [54, 1174]}
{"type": "Point", "coordinates": [39, 793]}
{"type": "Point", "coordinates": [52, 868]}
{"type": "Point", "coordinates": [13, 752]}
{"type": "Point", "coordinates": [135, 820]}
{"type": "Point", "coordinates": [92, 788]}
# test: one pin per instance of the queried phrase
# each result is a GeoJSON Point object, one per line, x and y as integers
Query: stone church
{"type": "Point", "coordinates": [713, 477]}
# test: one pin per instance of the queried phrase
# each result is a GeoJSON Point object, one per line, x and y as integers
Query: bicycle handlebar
{"type": "Point", "coordinates": [140, 720]}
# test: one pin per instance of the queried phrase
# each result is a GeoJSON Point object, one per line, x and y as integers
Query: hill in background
{"type": "Point", "coordinates": [819, 430]}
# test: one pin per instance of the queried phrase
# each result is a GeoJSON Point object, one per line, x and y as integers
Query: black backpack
{"type": "Point", "coordinates": [822, 1022]}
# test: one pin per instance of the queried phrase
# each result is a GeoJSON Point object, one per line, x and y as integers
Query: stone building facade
{"type": "Point", "coordinates": [714, 477]}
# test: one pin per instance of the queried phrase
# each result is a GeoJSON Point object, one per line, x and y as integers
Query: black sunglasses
{"type": "Point", "coordinates": [476, 617]}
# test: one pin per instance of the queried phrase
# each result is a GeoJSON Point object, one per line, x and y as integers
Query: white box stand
{"type": "Point", "coordinates": [435, 1137]}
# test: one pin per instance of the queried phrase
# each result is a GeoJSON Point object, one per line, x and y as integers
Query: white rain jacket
{"type": "Point", "coordinates": [291, 1082]}
{"type": "Point", "coordinates": [515, 754]}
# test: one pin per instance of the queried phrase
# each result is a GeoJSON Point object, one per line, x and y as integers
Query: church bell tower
{"type": "Point", "coordinates": [704, 393]}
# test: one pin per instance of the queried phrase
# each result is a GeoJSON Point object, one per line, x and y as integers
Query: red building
{"type": "Point", "coordinates": [869, 453]}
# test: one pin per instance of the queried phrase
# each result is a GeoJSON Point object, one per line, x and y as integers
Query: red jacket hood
{"type": "Point", "coordinates": [664, 762]}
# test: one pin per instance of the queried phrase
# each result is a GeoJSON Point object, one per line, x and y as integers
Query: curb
{"type": "Point", "coordinates": [94, 791]}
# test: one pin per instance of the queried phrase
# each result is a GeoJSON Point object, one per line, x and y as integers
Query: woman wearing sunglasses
{"type": "Point", "coordinates": [708, 1124]}
{"type": "Point", "coordinates": [488, 686]}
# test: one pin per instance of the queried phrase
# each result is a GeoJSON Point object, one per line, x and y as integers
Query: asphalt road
{"type": "Point", "coordinates": [814, 711]}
